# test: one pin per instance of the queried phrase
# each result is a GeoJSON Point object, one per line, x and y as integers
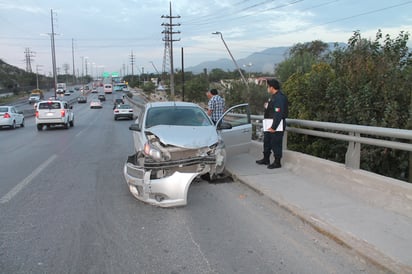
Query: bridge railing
{"type": "Point", "coordinates": [353, 134]}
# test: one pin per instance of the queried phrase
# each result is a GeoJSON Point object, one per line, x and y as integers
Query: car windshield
{"type": "Point", "coordinates": [176, 116]}
{"type": "Point", "coordinates": [49, 105]}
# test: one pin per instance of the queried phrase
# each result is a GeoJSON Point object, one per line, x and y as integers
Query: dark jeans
{"type": "Point", "coordinates": [272, 142]}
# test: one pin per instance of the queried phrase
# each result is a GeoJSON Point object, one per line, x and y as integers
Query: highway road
{"type": "Point", "coordinates": [65, 208]}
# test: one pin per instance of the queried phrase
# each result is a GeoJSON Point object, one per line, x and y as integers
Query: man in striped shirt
{"type": "Point", "coordinates": [215, 106]}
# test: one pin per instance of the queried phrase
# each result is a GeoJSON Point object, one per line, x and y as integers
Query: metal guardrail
{"type": "Point", "coordinates": [344, 132]}
{"type": "Point", "coordinates": [350, 133]}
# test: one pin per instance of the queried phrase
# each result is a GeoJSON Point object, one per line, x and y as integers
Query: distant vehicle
{"type": "Point", "coordinates": [175, 142]}
{"type": "Point", "coordinates": [108, 88]}
{"type": "Point", "coordinates": [120, 87]}
{"type": "Point", "coordinates": [81, 99]}
{"type": "Point", "coordinates": [10, 117]}
{"type": "Point", "coordinates": [61, 87]}
{"type": "Point", "coordinates": [71, 91]}
{"type": "Point", "coordinates": [54, 113]}
{"type": "Point", "coordinates": [123, 111]}
{"type": "Point", "coordinates": [67, 93]}
{"type": "Point", "coordinates": [117, 101]}
{"type": "Point", "coordinates": [35, 96]}
{"type": "Point", "coordinates": [94, 90]}
{"type": "Point", "coordinates": [96, 103]}
{"type": "Point", "coordinates": [101, 97]}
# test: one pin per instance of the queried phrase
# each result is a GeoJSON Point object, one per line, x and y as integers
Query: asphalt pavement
{"type": "Point", "coordinates": [366, 212]}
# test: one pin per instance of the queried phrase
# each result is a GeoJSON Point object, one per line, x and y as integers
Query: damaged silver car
{"type": "Point", "coordinates": [175, 142]}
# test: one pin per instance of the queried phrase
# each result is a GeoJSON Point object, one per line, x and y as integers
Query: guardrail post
{"type": "Point", "coordinates": [352, 157]}
{"type": "Point", "coordinates": [285, 140]}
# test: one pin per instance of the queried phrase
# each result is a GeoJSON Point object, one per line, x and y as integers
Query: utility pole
{"type": "Point", "coordinates": [37, 75]}
{"type": "Point", "coordinates": [169, 40]}
{"type": "Point", "coordinates": [53, 55]}
{"type": "Point", "coordinates": [183, 76]}
{"type": "Point", "coordinates": [132, 63]}
{"type": "Point", "coordinates": [74, 70]}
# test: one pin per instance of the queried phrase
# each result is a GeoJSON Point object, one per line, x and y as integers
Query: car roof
{"type": "Point", "coordinates": [46, 101]}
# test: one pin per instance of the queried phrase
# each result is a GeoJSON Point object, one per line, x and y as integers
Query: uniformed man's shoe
{"type": "Point", "coordinates": [262, 162]}
{"type": "Point", "coordinates": [274, 165]}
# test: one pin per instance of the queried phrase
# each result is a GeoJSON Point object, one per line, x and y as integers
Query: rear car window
{"type": "Point", "coordinates": [4, 109]}
{"type": "Point", "coordinates": [49, 105]}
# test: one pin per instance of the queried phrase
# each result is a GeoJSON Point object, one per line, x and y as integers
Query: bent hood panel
{"type": "Point", "coordinates": [185, 136]}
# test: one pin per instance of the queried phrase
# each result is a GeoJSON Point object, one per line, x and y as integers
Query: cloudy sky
{"type": "Point", "coordinates": [103, 35]}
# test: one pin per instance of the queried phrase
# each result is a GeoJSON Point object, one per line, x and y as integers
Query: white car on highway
{"type": "Point", "coordinates": [10, 117]}
{"type": "Point", "coordinates": [54, 113]}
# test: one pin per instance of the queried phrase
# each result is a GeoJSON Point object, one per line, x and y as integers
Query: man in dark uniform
{"type": "Point", "coordinates": [276, 111]}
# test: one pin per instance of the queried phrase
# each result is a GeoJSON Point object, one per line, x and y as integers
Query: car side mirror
{"type": "Point", "coordinates": [224, 125]}
{"type": "Point", "coordinates": [135, 127]}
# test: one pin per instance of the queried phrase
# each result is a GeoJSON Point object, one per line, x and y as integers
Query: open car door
{"type": "Point", "coordinates": [235, 128]}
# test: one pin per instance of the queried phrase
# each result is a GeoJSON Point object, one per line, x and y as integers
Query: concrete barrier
{"type": "Point", "coordinates": [378, 190]}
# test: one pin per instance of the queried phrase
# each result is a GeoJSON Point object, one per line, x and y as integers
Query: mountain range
{"type": "Point", "coordinates": [264, 62]}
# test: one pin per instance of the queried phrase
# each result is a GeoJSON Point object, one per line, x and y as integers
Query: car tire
{"type": "Point", "coordinates": [39, 127]}
{"type": "Point", "coordinates": [115, 118]}
{"type": "Point", "coordinates": [13, 126]}
{"type": "Point", "coordinates": [22, 123]}
{"type": "Point", "coordinates": [66, 125]}
{"type": "Point", "coordinates": [72, 123]}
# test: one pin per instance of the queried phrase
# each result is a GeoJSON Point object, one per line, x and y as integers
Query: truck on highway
{"type": "Point", "coordinates": [35, 96]}
{"type": "Point", "coordinates": [61, 88]}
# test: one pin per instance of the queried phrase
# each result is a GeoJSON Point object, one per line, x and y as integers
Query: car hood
{"type": "Point", "coordinates": [186, 136]}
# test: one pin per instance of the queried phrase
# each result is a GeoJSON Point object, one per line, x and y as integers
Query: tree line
{"type": "Point", "coordinates": [363, 82]}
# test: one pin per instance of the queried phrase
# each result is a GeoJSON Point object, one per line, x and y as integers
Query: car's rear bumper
{"type": "Point", "coordinates": [4, 122]}
{"type": "Point", "coordinates": [123, 115]}
{"type": "Point", "coordinates": [52, 121]}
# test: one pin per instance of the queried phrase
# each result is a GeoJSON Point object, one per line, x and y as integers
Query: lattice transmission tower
{"type": "Point", "coordinates": [28, 58]}
{"type": "Point", "coordinates": [169, 46]}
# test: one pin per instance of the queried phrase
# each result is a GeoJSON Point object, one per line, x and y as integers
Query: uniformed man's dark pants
{"type": "Point", "coordinates": [272, 142]}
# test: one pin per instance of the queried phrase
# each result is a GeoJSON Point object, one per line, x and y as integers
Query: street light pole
{"type": "Point", "coordinates": [233, 59]}
{"type": "Point", "coordinates": [37, 75]}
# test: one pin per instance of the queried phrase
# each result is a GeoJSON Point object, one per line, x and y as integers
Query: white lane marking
{"type": "Point", "coordinates": [80, 133]}
{"type": "Point", "coordinates": [6, 198]}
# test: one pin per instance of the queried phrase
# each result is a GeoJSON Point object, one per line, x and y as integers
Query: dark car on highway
{"type": "Point", "coordinates": [82, 99]}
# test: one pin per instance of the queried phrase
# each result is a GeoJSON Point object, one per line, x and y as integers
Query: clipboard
{"type": "Point", "coordinates": [267, 123]}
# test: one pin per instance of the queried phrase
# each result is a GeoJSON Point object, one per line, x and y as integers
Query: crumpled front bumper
{"type": "Point", "coordinates": [168, 191]}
